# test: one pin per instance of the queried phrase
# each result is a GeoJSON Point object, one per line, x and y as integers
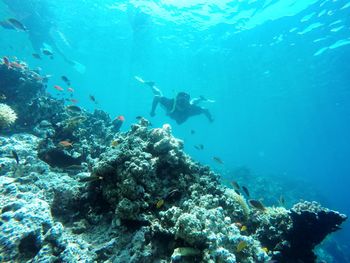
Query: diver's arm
{"type": "Point", "coordinates": [196, 101]}
{"type": "Point", "coordinates": [155, 102]}
{"type": "Point", "coordinates": [53, 44]}
{"type": "Point", "coordinates": [207, 114]}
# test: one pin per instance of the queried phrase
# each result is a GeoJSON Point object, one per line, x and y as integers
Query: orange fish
{"type": "Point", "coordinates": [70, 89]}
{"type": "Point", "coordinates": [74, 101]}
{"type": "Point", "coordinates": [121, 118]}
{"type": "Point", "coordinates": [65, 144]}
{"type": "Point", "coordinates": [59, 88]}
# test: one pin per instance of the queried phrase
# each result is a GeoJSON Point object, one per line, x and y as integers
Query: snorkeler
{"type": "Point", "coordinates": [179, 108]}
{"type": "Point", "coordinates": [37, 19]}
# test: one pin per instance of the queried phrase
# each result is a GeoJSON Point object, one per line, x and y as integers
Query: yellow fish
{"type": "Point", "coordinates": [241, 245]}
{"type": "Point", "coordinates": [266, 250]}
{"type": "Point", "coordinates": [244, 228]}
{"type": "Point", "coordinates": [114, 143]}
{"type": "Point", "coordinates": [160, 203]}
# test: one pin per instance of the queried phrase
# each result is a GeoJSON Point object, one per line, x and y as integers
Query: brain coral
{"type": "Point", "coordinates": [7, 116]}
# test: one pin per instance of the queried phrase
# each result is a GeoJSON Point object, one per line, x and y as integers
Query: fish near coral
{"type": "Point", "coordinates": [245, 190]}
{"type": "Point", "coordinates": [90, 179]}
{"type": "Point", "coordinates": [241, 245]}
{"type": "Point", "coordinates": [65, 144]}
{"type": "Point", "coordinates": [114, 143]}
{"type": "Point", "coordinates": [73, 108]}
{"type": "Point", "coordinates": [160, 203]}
{"type": "Point", "coordinates": [257, 205]}
{"type": "Point", "coordinates": [59, 88]}
{"type": "Point", "coordinates": [235, 185]}
{"type": "Point", "coordinates": [15, 156]}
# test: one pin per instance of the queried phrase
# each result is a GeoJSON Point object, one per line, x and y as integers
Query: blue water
{"type": "Point", "coordinates": [279, 72]}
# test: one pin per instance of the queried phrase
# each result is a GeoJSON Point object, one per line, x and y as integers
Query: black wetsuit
{"type": "Point", "coordinates": [177, 113]}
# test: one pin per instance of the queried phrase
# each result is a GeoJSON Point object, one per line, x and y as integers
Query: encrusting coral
{"type": "Point", "coordinates": [7, 116]}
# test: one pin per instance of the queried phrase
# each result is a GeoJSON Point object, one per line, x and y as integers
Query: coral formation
{"type": "Point", "coordinates": [7, 116]}
{"type": "Point", "coordinates": [141, 199]}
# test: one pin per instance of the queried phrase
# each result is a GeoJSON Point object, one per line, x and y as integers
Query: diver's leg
{"type": "Point", "coordinates": [156, 91]}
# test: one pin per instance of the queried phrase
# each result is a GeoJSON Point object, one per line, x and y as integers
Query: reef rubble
{"type": "Point", "coordinates": [132, 196]}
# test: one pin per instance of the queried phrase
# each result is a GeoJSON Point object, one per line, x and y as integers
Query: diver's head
{"type": "Point", "coordinates": [182, 98]}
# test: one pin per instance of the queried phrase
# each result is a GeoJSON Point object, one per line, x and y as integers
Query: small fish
{"type": "Point", "coordinates": [121, 118]}
{"type": "Point", "coordinates": [245, 190]}
{"type": "Point", "coordinates": [15, 156]}
{"type": "Point", "coordinates": [89, 179]}
{"type": "Point", "coordinates": [6, 61]}
{"type": "Point", "coordinates": [73, 108]}
{"type": "Point", "coordinates": [73, 101]}
{"type": "Point", "coordinates": [77, 118]}
{"type": "Point", "coordinates": [199, 147]}
{"type": "Point", "coordinates": [66, 80]}
{"type": "Point", "coordinates": [65, 144]}
{"type": "Point", "coordinates": [35, 55]}
{"type": "Point", "coordinates": [243, 228]}
{"type": "Point", "coordinates": [160, 203]}
{"type": "Point", "coordinates": [237, 192]}
{"type": "Point", "coordinates": [70, 89]}
{"type": "Point", "coordinates": [59, 88]}
{"type": "Point", "coordinates": [92, 98]}
{"type": "Point", "coordinates": [74, 167]}
{"type": "Point", "coordinates": [193, 132]}
{"type": "Point", "coordinates": [114, 143]}
{"type": "Point", "coordinates": [235, 185]}
{"type": "Point", "coordinates": [17, 24]}
{"type": "Point", "coordinates": [139, 118]}
{"type": "Point", "coordinates": [218, 160]}
{"type": "Point", "coordinates": [3, 97]}
{"type": "Point", "coordinates": [47, 52]}
{"type": "Point", "coordinates": [257, 205]}
{"type": "Point", "coordinates": [241, 245]}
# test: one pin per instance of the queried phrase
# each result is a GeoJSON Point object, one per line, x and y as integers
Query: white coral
{"type": "Point", "coordinates": [7, 116]}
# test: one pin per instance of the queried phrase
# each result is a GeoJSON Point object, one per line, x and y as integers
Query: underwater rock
{"type": "Point", "coordinates": [311, 224]}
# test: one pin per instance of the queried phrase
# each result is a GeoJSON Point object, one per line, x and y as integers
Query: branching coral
{"type": "Point", "coordinates": [7, 116]}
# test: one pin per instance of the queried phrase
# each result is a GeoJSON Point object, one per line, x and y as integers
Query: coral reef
{"type": "Point", "coordinates": [7, 116]}
{"type": "Point", "coordinates": [73, 196]}
{"type": "Point", "coordinates": [311, 224]}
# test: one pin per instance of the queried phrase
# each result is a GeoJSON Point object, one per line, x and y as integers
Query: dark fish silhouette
{"type": "Point", "coordinates": [93, 99]}
{"type": "Point", "coordinates": [66, 80]}
{"type": "Point", "coordinates": [193, 132]}
{"type": "Point", "coordinates": [218, 160]}
{"type": "Point", "coordinates": [199, 147]}
{"type": "Point", "coordinates": [73, 108]}
{"type": "Point", "coordinates": [47, 52]}
{"type": "Point", "coordinates": [92, 178]}
{"type": "Point", "coordinates": [16, 24]}
{"type": "Point", "coordinates": [257, 205]}
{"type": "Point", "coordinates": [35, 55]}
{"type": "Point", "coordinates": [15, 156]}
{"type": "Point", "coordinates": [245, 190]}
